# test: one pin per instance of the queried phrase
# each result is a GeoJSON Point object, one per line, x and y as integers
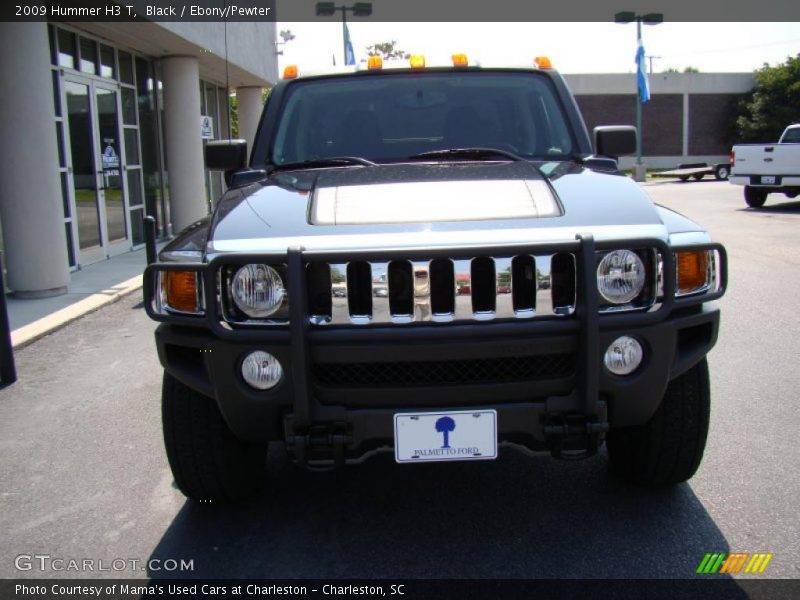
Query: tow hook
{"type": "Point", "coordinates": [320, 447]}
{"type": "Point", "coordinates": [573, 437]}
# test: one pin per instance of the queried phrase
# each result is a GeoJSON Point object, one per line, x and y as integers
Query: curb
{"type": "Point", "coordinates": [28, 334]}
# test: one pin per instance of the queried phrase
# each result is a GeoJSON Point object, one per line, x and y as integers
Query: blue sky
{"type": "Point", "coordinates": [572, 47]}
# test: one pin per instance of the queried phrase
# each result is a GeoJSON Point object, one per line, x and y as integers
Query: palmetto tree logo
{"type": "Point", "coordinates": [444, 426]}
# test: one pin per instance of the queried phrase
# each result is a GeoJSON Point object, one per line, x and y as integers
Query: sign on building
{"type": "Point", "coordinates": [206, 127]}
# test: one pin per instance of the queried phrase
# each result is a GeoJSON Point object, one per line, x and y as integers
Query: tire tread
{"type": "Point", "coordinates": [667, 449]}
{"type": "Point", "coordinates": [208, 462]}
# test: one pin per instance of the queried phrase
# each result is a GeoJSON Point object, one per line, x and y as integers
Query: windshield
{"type": "Point", "coordinates": [392, 117]}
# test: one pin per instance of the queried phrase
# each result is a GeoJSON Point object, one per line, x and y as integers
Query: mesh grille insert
{"type": "Point", "coordinates": [444, 372]}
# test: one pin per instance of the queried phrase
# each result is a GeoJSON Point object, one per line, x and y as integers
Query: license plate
{"type": "Point", "coordinates": [768, 179]}
{"type": "Point", "coordinates": [450, 435]}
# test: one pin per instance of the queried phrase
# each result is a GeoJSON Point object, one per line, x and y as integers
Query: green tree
{"type": "Point", "coordinates": [387, 50]}
{"type": "Point", "coordinates": [773, 103]}
{"type": "Point", "coordinates": [691, 69]}
{"type": "Point", "coordinates": [235, 114]}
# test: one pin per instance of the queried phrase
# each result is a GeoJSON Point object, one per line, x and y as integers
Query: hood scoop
{"type": "Point", "coordinates": [433, 201]}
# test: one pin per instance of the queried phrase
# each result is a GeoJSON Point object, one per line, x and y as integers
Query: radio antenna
{"type": "Point", "coordinates": [227, 76]}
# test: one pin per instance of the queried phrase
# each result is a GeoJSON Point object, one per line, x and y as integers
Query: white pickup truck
{"type": "Point", "coordinates": [763, 169]}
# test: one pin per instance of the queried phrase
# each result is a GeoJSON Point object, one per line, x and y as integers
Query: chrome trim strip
{"type": "Point", "coordinates": [462, 270]}
{"type": "Point", "coordinates": [379, 285]}
{"type": "Point", "coordinates": [504, 297]}
{"type": "Point", "coordinates": [422, 290]}
{"type": "Point", "coordinates": [544, 285]}
{"type": "Point", "coordinates": [340, 311]}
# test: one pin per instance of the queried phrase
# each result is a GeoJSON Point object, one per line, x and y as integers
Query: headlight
{"type": "Point", "coordinates": [257, 290]}
{"type": "Point", "coordinates": [620, 276]}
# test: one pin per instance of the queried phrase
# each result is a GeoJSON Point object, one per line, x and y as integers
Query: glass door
{"type": "Point", "coordinates": [111, 190]}
{"type": "Point", "coordinates": [95, 168]}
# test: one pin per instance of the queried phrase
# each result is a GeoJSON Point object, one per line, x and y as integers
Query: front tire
{"type": "Point", "coordinates": [754, 197]}
{"type": "Point", "coordinates": [668, 448]}
{"type": "Point", "coordinates": [208, 462]}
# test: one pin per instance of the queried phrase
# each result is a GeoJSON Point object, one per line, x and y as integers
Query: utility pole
{"type": "Point", "coordinates": [650, 60]}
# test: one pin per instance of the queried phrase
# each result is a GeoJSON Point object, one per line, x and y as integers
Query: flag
{"type": "Point", "coordinates": [641, 74]}
{"type": "Point", "coordinates": [349, 55]}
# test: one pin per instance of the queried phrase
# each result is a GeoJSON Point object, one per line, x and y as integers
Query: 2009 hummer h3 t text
{"type": "Point", "coordinates": [434, 262]}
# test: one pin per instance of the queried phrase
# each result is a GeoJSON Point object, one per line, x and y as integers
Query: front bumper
{"type": "Point", "coordinates": [558, 396]}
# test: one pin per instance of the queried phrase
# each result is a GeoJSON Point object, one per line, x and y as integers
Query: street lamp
{"type": "Point", "coordinates": [639, 170]}
{"type": "Point", "coordinates": [359, 9]}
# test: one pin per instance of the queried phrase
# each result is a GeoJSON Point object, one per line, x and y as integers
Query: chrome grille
{"type": "Point", "coordinates": [441, 290]}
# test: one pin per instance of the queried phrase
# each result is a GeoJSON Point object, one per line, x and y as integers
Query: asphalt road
{"type": "Point", "coordinates": [83, 473]}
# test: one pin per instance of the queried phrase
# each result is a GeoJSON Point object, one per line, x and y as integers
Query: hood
{"type": "Point", "coordinates": [431, 205]}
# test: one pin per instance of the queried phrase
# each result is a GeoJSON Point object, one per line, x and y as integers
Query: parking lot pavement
{"type": "Point", "coordinates": [83, 473]}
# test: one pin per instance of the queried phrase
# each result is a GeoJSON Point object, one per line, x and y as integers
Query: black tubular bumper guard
{"type": "Point", "coordinates": [303, 427]}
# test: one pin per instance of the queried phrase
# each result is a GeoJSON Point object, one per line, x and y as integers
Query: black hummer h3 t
{"type": "Point", "coordinates": [436, 263]}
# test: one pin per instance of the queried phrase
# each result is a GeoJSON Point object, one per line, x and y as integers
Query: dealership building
{"type": "Point", "coordinates": [105, 123]}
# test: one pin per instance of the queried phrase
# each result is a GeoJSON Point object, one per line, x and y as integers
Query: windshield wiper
{"type": "Point", "coordinates": [320, 163]}
{"type": "Point", "coordinates": [472, 153]}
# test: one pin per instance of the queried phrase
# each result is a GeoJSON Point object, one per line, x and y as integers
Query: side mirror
{"type": "Point", "coordinates": [615, 140]}
{"type": "Point", "coordinates": [226, 155]}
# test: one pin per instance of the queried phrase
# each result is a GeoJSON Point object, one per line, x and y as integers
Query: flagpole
{"type": "Point", "coordinates": [638, 98]}
{"type": "Point", "coordinates": [344, 35]}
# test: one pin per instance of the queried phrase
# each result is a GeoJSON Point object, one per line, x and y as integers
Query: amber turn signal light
{"type": "Point", "coordinates": [180, 290]}
{"type": "Point", "coordinates": [692, 270]}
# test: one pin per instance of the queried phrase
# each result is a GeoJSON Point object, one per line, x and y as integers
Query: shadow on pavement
{"type": "Point", "coordinates": [517, 517]}
{"type": "Point", "coordinates": [780, 208]}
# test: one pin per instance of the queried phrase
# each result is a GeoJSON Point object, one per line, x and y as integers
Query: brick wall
{"type": "Point", "coordinates": [711, 127]}
{"type": "Point", "coordinates": [662, 118]}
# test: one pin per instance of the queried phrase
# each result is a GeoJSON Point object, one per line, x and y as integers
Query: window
{"type": "Point", "coordinates": [125, 67]}
{"type": "Point", "coordinates": [88, 56]}
{"type": "Point", "coordinates": [107, 68]}
{"type": "Point", "coordinates": [67, 52]}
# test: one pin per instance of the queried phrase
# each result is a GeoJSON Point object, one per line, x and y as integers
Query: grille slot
{"type": "Point", "coordinates": [359, 290]}
{"type": "Point", "coordinates": [401, 288]}
{"type": "Point", "coordinates": [563, 283]}
{"type": "Point", "coordinates": [320, 298]}
{"type": "Point", "coordinates": [443, 285]}
{"type": "Point", "coordinates": [444, 372]}
{"type": "Point", "coordinates": [484, 291]}
{"type": "Point", "coordinates": [441, 290]}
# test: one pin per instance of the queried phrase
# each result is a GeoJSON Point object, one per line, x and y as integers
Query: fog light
{"type": "Point", "coordinates": [261, 370]}
{"type": "Point", "coordinates": [624, 355]}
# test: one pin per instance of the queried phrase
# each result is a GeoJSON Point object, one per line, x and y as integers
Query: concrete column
{"type": "Point", "coordinates": [184, 146]}
{"type": "Point", "coordinates": [30, 188]}
{"type": "Point", "coordinates": [248, 108]}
